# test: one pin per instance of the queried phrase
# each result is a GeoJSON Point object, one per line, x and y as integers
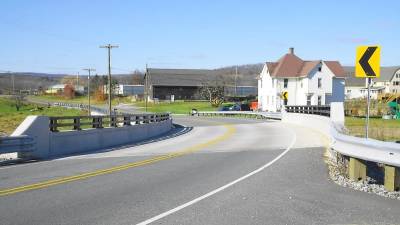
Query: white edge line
{"type": "Point", "coordinates": [178, 208]}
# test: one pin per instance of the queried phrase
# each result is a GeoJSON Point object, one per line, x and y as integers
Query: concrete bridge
{"type": "Point", "coordinates": [214, 169]}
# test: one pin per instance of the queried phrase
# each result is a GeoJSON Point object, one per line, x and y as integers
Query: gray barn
{"type": "Point", "coordinates": [184, 84]}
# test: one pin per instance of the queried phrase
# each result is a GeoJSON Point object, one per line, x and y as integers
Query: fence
{"type": "Point", "coordinates": [257, 115]}
{"type": "Point", "coordinates": [322, 110]}
{"type": "Point", "coordinates": [82, 106]}
{"type": "Point", "coordinates": [81, 122]}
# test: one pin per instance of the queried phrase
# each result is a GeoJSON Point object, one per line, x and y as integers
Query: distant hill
{"type": "Point", "coordinates": [29, 80]}
{"type": "Point", "coordinates": [247, 69]}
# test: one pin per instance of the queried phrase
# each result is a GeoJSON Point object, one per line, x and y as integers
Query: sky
{"type": "Point", "coordinates": [64, 36]}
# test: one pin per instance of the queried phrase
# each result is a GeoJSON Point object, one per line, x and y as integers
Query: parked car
{"type": "Point", "coordinates": [224, 108]}
{"type": "Point", "coordinates": [235, 107]}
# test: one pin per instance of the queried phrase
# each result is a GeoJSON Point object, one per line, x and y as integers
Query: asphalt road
{"type": "Point", "coordinates": [221, 171]}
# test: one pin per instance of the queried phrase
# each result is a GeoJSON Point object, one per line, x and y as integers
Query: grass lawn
{"type": "Point", "coordinates": [385, 130]}
{"type": "Point", "coordinates": [10, 118]}
{"type": "Point", "coordinates": [178, 107]}
{"type": "Point", "coordinates": [78, 99]}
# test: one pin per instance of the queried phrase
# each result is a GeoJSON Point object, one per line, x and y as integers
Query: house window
{"type": "Point", "coordinates": [285, 83]}
{"type": "Point", "coordinates": [273, 83]}
{"type": "Point", "coordinates": [308, 99]}
{"type": "Point", "coordinates": [319, 82]}
{"type": "Point", "coordinates": [301, 84]}
{"type": "Point", "coordinates": [319, 100]}
{"type": "Point", "coordinates": [348, 91]}
{"type": "Point", "coordinates": [319, 68]}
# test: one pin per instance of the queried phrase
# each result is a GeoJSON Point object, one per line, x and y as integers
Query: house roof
{"type": "Point", "coordinates": [387, 73]}
{"type": "Point", "coordinates": [336, 68]}
{"type": "Point", "coordinates": [351, 80]}
{"type": "Point", "coordinates": [290, 66]}
{"type": "Point", "coordinates": [194, 77]}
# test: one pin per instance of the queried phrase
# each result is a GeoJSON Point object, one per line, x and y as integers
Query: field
{"type": "Point", "coordinates": [10, 118]}
{"type": "Point", "coordinates": [385, 130]}
{"type": "Point", "coordinates": [178, 107]}
{"type": "Point", "coordinates": [78, 99]}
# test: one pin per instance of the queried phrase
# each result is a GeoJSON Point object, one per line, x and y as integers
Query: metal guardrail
{"type": "Point", "coordinates": [81, 106]}
{"type": "Point", "coordinates": [322, 110]}
{"type": "Point", "coordinates": [21, 143]}
{"type": "Point", "coordinates": [365, 149]}
{"type": "Point", "coordinates": [258, 115]}
{"type": "Point", "coordinates": [86, 122]}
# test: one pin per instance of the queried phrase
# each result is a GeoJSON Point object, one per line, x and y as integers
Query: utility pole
{"type": "Point", "coordinates": [11, 74]}
{"type": "Point", "coordinates": [109, 47]}
{"type": "Point", "coordinates": [236, 73]}
{"type": "Point", "coordinates": [88, 87]}
{"type": "Point", "coordinates": [146, 89]}
{"type": "Point", "coordinates": [77, 81]}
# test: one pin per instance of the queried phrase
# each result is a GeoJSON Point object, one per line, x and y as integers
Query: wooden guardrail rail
{"type": "Point", "coordinates": [97, 122]}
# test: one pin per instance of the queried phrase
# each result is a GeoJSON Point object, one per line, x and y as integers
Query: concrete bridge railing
{"type": "Point", "coordinates": [42, 137]}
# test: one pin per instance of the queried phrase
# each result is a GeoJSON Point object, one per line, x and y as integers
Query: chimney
{"type": "Point", "coordinates": [291, 50]}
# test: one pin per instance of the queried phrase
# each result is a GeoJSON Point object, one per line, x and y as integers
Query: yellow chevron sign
{"type": "Point", "coordinates": [285, 95]}
{"type": "Point", "coordinates": [368, 61]}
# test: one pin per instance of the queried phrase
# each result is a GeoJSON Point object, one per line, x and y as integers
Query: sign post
{"type": "Point", "coordinates": [368, 66]}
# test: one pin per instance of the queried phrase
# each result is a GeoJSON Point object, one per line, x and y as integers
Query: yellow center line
{"type": "Point", "coordinates": [230, 131]}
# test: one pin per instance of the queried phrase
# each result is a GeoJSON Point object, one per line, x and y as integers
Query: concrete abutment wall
{"type": "Point", "coordinates": [54, 144]}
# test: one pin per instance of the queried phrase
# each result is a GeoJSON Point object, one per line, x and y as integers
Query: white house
{"type": "Point", "coordinates": [306, 82]}
{"type": "Point", "coordinates": [60, 88]}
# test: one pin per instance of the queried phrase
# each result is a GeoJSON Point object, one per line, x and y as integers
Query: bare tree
{"type": "Point", "coordinates": [69, 91]}
{"type": "Point", "coordinates": [214, 90]}
{"type": "Point", "coordinates": [137, 77]}
{"type": "Point", "coordinates": [19, 100]}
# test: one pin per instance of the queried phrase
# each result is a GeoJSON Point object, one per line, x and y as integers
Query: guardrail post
{"type": "Point", "coordinates": [53, 125]}
{"type": "Point", "coordinates": [77, 123]}
{"type": "Point", "coordinates": [127, 120]}
{"type": "Point", "coordinates": [100, 122]}
{"type": "Point", "coordinates": [392, 178]}
{"type": "Point", "coordinates": [137, 119]}
{"type": "Point", "coordinates": [113, 121]}
{"type": "Point", "coordinates": [357, 169]}
{"type": "Point", "coordinates": [95, 122]}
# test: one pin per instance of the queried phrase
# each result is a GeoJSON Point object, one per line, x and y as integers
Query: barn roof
{"type": "Point", "coordinates": [194, 77]}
